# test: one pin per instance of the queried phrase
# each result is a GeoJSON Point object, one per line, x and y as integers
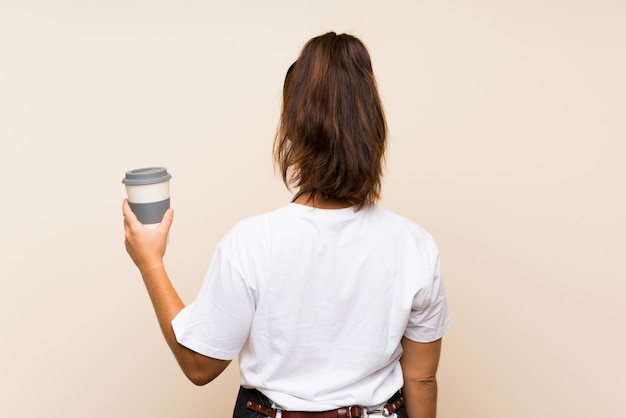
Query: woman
{"type": "Point", "coordinates": [333, 304]}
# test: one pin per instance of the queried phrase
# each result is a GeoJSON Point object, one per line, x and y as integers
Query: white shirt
{"type": "Point", "coordinates": [315, 303]}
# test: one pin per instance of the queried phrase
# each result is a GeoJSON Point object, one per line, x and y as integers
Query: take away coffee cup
{"type": "Point", "coordinates": [148, 191]}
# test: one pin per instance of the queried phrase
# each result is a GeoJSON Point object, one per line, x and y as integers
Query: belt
{"type": "Point", "coordinates": [346, 412]}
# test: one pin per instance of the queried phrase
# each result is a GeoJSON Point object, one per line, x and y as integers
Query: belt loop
{"type": "Point", "coordinates": [360, 411]}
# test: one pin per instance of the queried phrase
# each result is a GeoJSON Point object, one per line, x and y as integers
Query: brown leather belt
{"type": "Point", "coordinates": [346, 412]}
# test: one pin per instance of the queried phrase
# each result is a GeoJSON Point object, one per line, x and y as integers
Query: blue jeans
{"type": "Point", "coordinates": [244, 396]}
{"type": "Point", "coordinates": [252, 394]}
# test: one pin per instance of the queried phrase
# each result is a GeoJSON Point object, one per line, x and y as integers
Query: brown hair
{"type": "Point", "coordinates": [332, 131]}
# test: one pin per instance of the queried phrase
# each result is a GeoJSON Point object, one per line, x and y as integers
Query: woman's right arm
{"type": "Point", "coordinates": [146, 247]}
{"type": "Point", "coordinates": [419, 363]}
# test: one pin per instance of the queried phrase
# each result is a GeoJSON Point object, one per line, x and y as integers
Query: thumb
{"type": "Point", "coordinates": [129, 215]}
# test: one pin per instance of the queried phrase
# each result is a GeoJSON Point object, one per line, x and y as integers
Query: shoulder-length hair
{"type": "Point", "coordinates": [332, 132]}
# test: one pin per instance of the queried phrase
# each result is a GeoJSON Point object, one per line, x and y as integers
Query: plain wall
{"type": "Point", "coordinates": [507, 143]}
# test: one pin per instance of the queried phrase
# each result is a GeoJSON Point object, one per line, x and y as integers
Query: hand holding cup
{"type": "Point", "coordinates": [146, 246]}
{"type": "Point", "coordinates": [146, 217]}
{"type": "Point", "coordinates": [148, 191]}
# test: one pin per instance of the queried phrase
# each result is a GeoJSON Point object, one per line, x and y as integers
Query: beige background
{"type": "Point", "coordinates": [507, 135]}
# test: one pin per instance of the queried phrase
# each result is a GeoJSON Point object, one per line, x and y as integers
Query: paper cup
{"type": "Point", "coordinates": [148, 191]}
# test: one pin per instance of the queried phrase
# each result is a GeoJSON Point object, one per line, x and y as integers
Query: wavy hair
{"type": "Point", "coordinates": [331, 137]}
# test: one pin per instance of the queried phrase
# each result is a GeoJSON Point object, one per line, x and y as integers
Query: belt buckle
{"type": "Point", "coordinates": [384, 411]}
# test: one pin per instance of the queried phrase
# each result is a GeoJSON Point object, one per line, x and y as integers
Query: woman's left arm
{"type": "Point", "coordinates": [146, 248]}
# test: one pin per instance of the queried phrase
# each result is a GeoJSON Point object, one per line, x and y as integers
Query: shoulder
{"type": "Point", "coordinates": [254, 229]}
{"type": "Point", "coordinates": [402, 224]}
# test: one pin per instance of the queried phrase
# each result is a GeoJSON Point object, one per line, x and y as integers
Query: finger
{"type": "Point", "coordinates": [167, 220]}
